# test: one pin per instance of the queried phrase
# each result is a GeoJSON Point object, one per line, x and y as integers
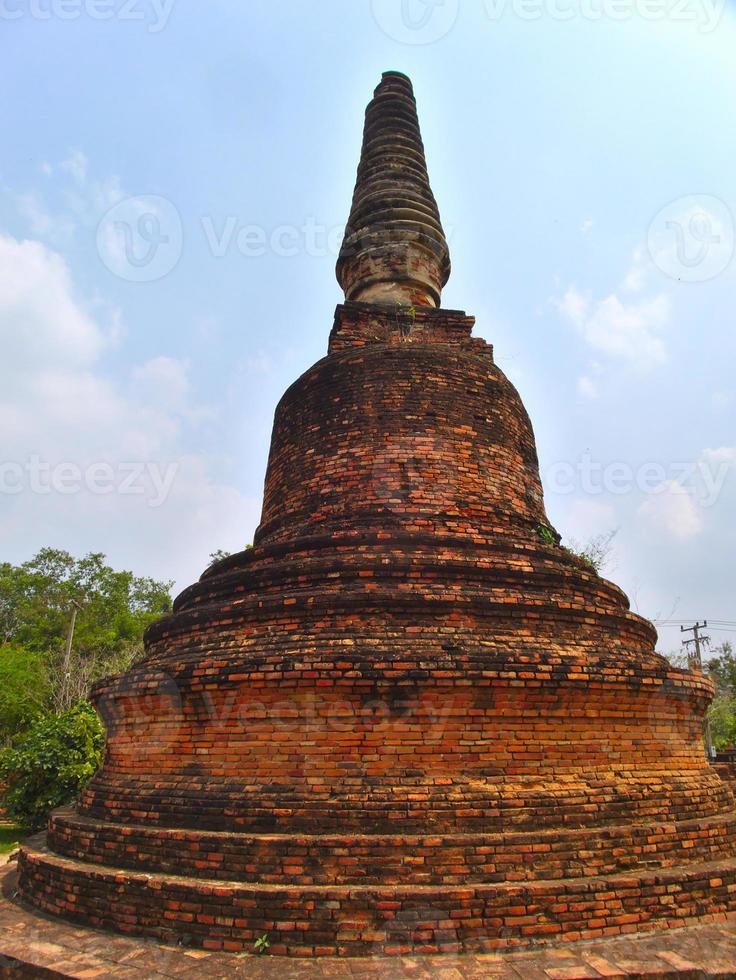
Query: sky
{"type": "Point", "coordinates": [173, 182]}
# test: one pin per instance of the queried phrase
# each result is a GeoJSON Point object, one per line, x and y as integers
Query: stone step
{"type": "Point", "coordinates": [32, 945]}
{"type": "Point", "coordinates": [444, 859]}
{"type": "Point", "coordinates": [359, 919]}
{"type": "Point", "coordinates": [326, 797]}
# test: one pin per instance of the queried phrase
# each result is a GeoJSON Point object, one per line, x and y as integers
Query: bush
{"type": "Point", "coordinates": [24, 690]}
{"type": "Point", "coordinates": [51, 764]}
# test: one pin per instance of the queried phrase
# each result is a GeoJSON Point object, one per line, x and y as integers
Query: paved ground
{"type": "Point", "coordinates": [33, 945]}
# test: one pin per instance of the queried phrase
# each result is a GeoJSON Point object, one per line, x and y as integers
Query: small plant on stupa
{"type": "Point", "coordinates": [405, 317]}
{"type": "Point", "coordinates": [588, 561]}
{"type": "Point", "coordinates": [546, 534]}
{"type": "Point", "coordinates": [597, 553]}
{"type": "Point", "coordinates": [262, 944]}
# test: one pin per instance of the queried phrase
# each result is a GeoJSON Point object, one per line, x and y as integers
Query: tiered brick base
{"type": "Point", "coordinates": [352, 920]}
{"type": "Point", "coordinates": [33, 945]}
{"type": "Point", "coordinates": [450, 859]}
{"type": "Point", "coordinates": [407, 717]}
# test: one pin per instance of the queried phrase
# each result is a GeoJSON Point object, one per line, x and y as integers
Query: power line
{"type": "Point", "coordinates": [720, 623]}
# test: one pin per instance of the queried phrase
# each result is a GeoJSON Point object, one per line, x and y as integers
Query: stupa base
{"type": "Point", "coordinates": [374, 895]}
{"type": "Point", "coordinates": [34, 945]}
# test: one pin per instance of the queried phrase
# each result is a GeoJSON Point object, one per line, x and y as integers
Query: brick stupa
{"type": "Point", "coordinates": [407, 718]}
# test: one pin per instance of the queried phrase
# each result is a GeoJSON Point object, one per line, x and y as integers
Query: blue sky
{"type": "Point", "coordinates": [581, 152]}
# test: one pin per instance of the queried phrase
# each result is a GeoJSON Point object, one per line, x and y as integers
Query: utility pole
{"type": "Point", "coordinates": [65, 672]}
{"type": "Point", "coordinates": [695, 662]}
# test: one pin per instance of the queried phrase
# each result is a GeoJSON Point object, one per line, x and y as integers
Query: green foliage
{"type": "Point", "coordinates": [597, 552]}
{"type": "Point", "coordinates": [262, 944]}
{"type": "Point", "coordinates": [405, 317]}
{"type": "Point", "coordinates": [51, 764]}
{"type": "Point", "coordinates": [723, 669]}
{"type": "Point", "coordinates": [10, 838]}
{"type": "Point", "coordinates": [722, 718]}
{"type": "Point", "coordinates": [219, 555]}
{"type": "Point", "coordinates": [546, 534]}
{"type": "Point", "coordinates": [722, 712]}
{"type": "Point", "coordinates": [679, 659]}
{"type": "Point", "coordinates": [114, 609]}
{"type": "Point", "coordinates": [24, 690]}
{"type": "Point", "coordinates": [48, 757]}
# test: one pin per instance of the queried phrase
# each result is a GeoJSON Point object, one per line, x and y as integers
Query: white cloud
{"type": "Point", "coordinates": [163, 380]}
{"type": "Point", "coordinates": [639, 270]}
{"type": "Point", "coordinates": [54, 228]}
{"type": "Point", "coordinates": [587, 387]}
{"type": "Point", "coordinates": [587, 226]}
{"type": "Point", "coordinates": [619, 326]}
{"type": "Point", "coordinates": [58, 406]}
{"type": "Point", "coordinates": [722, 400]}
{"type": "Point", "coordinates": [76, 165]}
{"type": "Point", "coordinates": [630, 331]}
{"type": "Point", "coordinates": [41, 321]}
{"type": "Point", "coordinates": [93, 198]}
{"type": "Point", "coordinates": [79, 199]}
{"type": "Point", "coordinates": [673, 509]}
{"type": "Point", "coordinates": [574, 306]}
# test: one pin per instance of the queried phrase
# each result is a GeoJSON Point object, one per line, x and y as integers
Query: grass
{"type": "Point", "coordinates": [10, 837]}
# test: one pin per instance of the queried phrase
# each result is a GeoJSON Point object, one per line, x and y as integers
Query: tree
{"type": "Point", "coordinates": [114, 608]}
{"type": "Point", "coordinates": [24, 690]}
{"type": "Point", "coordinates": [722, 712]}
{"type": "Point", "coordinates": [722, 718]}
{"type": "Point", "coordinates": [722, 669]}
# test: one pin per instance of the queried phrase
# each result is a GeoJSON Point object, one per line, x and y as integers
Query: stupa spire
{"type": "Point", "coordinates": [394, 250]}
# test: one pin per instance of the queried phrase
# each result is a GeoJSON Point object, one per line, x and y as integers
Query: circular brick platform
{"type": "Point", "coordinates": [34, 945]}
